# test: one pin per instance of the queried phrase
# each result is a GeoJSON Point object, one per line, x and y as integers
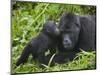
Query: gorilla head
{"type": "Point", "coordinates": [51, 29]}
{"type": "Point", "coordinates": [70, 28]}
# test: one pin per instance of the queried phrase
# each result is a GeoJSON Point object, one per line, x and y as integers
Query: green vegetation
{"type": "Point", "coordinates": [27, 22]}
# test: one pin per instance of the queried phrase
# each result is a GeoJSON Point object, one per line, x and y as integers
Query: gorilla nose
{"type": "Point", "coordinates": [67, 43]}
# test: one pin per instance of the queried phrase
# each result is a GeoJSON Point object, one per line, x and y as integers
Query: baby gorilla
{"type": "Point", "coordinates": [39, 45]}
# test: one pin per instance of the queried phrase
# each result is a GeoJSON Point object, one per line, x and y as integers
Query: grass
{"type": "Point", "coordinates": [83, 61]}
{"type": "Point", "coordinates": [27, 22]}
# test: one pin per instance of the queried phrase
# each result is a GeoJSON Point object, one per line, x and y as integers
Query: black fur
{"type": "Point", "coordinates": [87, 36]}
{"type": "Point", "coordinates": [37, 46]}
{"type": "Point", "coordinates": [76, 32]}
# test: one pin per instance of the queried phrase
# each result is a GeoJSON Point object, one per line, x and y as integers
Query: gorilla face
{"type": "Point", "coordinates": [70, 28]}
{"type": "Point", "coordinates": [51, 28]}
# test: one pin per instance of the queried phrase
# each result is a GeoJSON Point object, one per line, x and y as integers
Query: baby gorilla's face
{"type": "Point", "coordinates": [51, 28]}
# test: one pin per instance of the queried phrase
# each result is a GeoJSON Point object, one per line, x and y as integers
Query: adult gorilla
{"type": "Point", "coordinates": [76, 32]}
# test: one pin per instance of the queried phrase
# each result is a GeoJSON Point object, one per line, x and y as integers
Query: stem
{"type": "Point", "coordinates": [39, 14]}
